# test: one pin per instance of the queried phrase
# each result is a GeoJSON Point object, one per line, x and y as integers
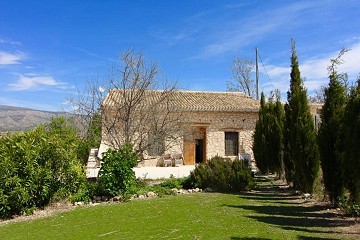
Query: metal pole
{"type": "Point", "coordinates": [257, 75]}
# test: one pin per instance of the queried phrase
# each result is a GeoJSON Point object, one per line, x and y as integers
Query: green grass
{"type": "Point", "coordinates": [264, 215]}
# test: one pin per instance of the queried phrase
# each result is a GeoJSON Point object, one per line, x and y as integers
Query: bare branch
{"type": "Point", "coordinates": [134, 111]}
{"type": "Point", "coordinates": [241, 70]}
{"type": "Point", "coordinates": [337, 61]}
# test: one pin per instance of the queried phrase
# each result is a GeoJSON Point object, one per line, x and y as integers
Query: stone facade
{"type": "Point", "coordinates": [208, 117]}
{"type": "Point", "coordinates": [217, 123]}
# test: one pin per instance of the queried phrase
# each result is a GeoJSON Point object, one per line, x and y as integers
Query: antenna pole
{"type": "Point", "coordinates": [257, 75]}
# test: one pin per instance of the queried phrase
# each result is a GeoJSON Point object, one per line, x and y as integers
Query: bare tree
{"type": "Point", "coordinates": [135, 111]}
{"type": "Point", "coordinates": [85, 105]}
{"type": "Point", "coordinates": [134, 104]}
{"type": "Point", "coordinates": [332, 69]}
{"type": "Point", "coordinates": [242, 79]}
{"type": "Point", "coordinates": [318, 96]}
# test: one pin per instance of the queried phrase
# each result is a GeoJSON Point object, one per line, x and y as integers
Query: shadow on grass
{"type": "Point", "coordinates": [314, 238]}
{"type": "Point", "coordinates": [299, 237]}
{"type": "Point", "coordinates": [249, 238]}
{"type": "Point", "coordinates": [280, 210]}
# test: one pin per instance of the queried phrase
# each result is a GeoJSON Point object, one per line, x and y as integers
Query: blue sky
{"type": "Point", "coordinates": [49, 47]}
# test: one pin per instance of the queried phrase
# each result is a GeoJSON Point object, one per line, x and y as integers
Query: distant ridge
{"type": "Point", "coordinates": [15, 119]}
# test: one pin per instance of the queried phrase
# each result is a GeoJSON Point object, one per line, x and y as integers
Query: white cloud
{"type": "Point", "coordinates": [34, 82]}
{"type": "Point", "coordinates": [313, 70]}
{"type": "Point", "coordinates": [7, 58]}
{"type": "Point", "coordinates": [3, 41]}
{"type": "Point", "coordinates": [237, 34]}
{"type": "Point", "coordinates": [352, 60]}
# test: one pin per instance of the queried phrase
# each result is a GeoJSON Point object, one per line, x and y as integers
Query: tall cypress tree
{"type": "Point", "coordinates": [259, 138]}
{"type": "Point", "coordinates": [331, 132]}
{"type": "Point", "coordinates": [268, 144]}
{"type": "Point", "coordinates": [301, 152]}
{"type": "Point", "coordinates": [275, 122]}
{"type": "Point", "coordinates": [352, 143]}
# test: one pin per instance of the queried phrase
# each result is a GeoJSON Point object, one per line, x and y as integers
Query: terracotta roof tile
{"type": "Point", "coordinates": [193, 100]}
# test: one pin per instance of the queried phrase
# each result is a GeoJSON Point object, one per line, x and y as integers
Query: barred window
{"type": "Point", "coordinates": [231, 143]}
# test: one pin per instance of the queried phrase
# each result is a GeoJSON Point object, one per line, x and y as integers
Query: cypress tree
{"type": "Point", "coordinates": [259, 138]}
{"type": "Point", "coordinates": [275, 122]}
{"type": "Point", "coordinates": [352, 143]}
{"type": "Point", "coordinates": [300, 151]}
{"type": "Point", "coordinates": [331, 133]}
{"type": "Point", "coordinates": [267, 145]}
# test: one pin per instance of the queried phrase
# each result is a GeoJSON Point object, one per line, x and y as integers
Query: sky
{"type": "Point", "coordinates": [50, 49]}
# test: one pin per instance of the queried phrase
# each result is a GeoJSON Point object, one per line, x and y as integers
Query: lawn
{"type": "Point", "coordinates": [263, 214]}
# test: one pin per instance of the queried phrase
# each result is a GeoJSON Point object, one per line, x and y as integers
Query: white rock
{"type": "Point", "coordinates": [116, 198]}
{"type": "Point", "coordinates": [151, 194]}
{"type": "Point", "coordinates": [78, 203]}
{"type": "Point", "coordinates": [307, 196]}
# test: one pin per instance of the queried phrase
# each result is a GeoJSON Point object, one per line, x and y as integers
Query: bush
{"type": "Point", "coordinates": [348, 206]}
{"type": "Point", "coordinates": [223, 175]}
{"type": "Point", "coordinates": [86, 192]}
{"type": "Point", "coordinates": [172, 182]}
{"type": "Point", "coordinates": [38, 166]}
{"type": "Point", "coordinates": [116, 174]}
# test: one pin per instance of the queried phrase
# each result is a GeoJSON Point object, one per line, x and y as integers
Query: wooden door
{"type": "Point", "coordinates": [189, 153]}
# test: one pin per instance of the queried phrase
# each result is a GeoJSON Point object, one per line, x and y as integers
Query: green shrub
{"type": "Point", "coordinates": [188, 183]}
{"type": "Point", "coordinates": [348, 206]}
{"type": "Point", "coordinates": [86, 192]}
{"type": "Point", "coordinates": [172, 182]}
{"type": "Point", "coordinates": [161, 189]}
{"type": "Point", "coordinates": [223, 175]}
{"type": "Point", "coordinates": [116, 174]}
{"type": "Point", "coordinates": [38, 166]}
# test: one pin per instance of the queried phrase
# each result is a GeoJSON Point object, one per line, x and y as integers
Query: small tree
{"type": "Point", "coordinates": [331, 131]}
{"type": "Point", "coordinates": [300, 151]}
{"type": "Point", "coordinates": [116, 174]}
{"type": "Point", "coordinates": [243, 82]}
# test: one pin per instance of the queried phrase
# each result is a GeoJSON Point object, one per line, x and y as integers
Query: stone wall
{"type": "Point", "coordinates": [216, 124]}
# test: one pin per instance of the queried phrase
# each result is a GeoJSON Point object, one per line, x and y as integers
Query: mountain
{"type": "Point", "coordinates": [14, 119]}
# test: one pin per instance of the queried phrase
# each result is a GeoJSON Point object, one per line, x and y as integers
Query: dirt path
{"type": "Point", "coordinates": [41, 213]}
{"type": "Point", "coordinates": [282, 207]}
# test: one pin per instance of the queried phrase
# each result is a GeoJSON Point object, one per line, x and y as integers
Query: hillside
{"type": "Point", "coordinates": [13, 119]}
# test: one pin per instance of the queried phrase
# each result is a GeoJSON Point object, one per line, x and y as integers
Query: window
{"type": "Point", "coordinates": [231, 143]}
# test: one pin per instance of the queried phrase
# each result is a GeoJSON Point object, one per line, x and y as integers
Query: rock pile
{"type": "Point", "coordinates": [97, 199]}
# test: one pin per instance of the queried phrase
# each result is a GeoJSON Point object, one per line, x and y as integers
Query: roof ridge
{"type": "Point", "coordinates": [187, 91]}
{"type": "Point", "coordinates": [194, 100]}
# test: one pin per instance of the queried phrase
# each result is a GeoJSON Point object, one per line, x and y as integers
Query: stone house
{"type": "Point", "coordinates": [221, 124]}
